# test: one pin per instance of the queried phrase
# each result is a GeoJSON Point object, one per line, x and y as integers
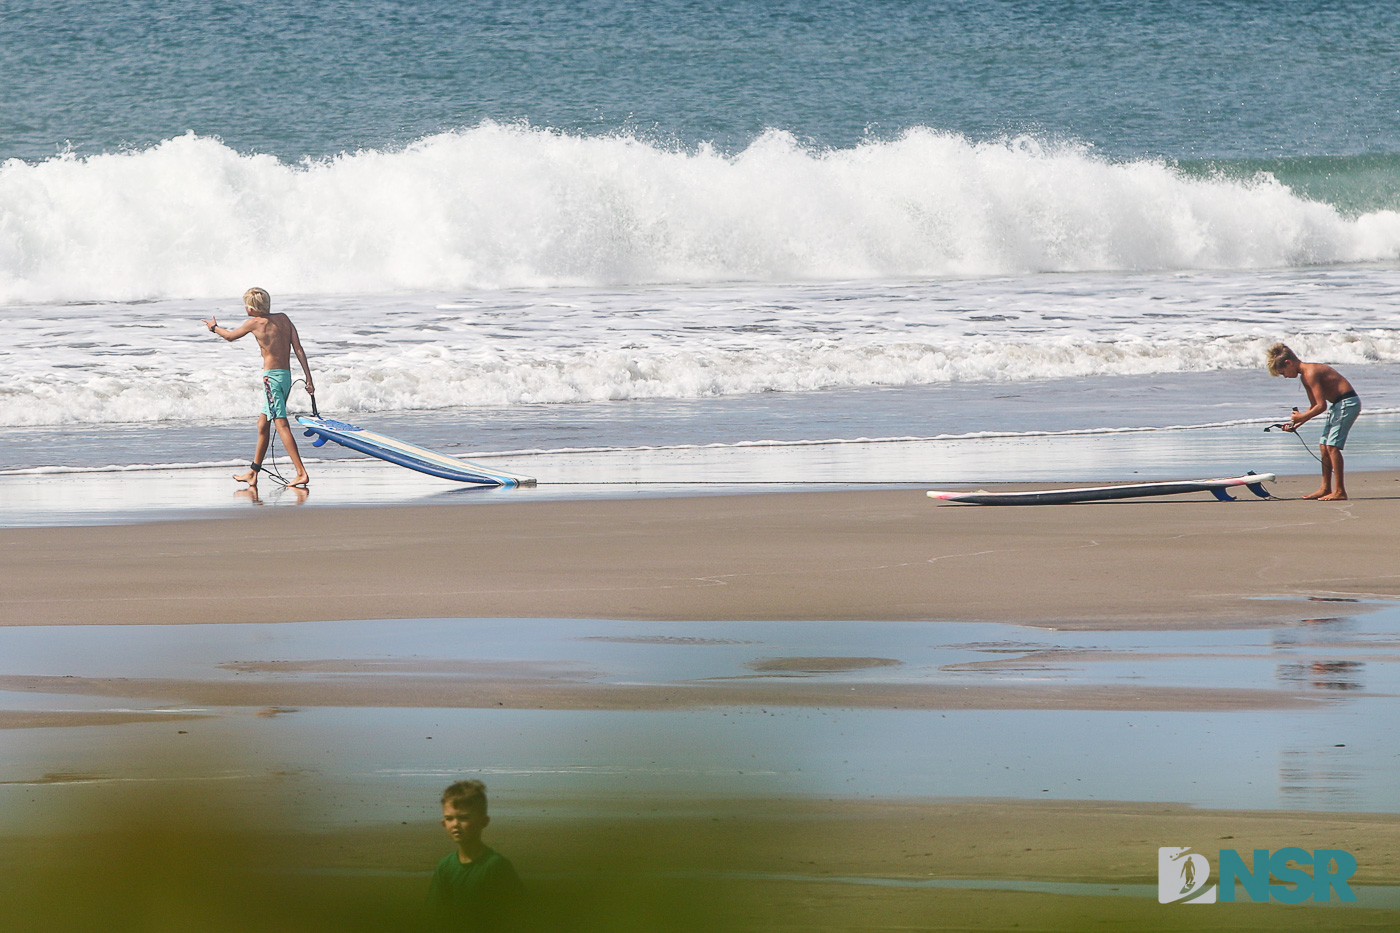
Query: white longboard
{"type": "Point", "coordinates": [1254, 482]}
{"type": "Point", "coordinates": [405, 454]}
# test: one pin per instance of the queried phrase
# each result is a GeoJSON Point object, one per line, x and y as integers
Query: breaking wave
{"type": "Point", "coordinates": [517, 206]}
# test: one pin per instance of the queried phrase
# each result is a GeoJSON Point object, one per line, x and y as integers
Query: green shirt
{"type": "Point", "coordinates": [480, 896]}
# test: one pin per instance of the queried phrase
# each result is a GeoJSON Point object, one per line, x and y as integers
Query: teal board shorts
{"type": "Point", "coordinates": [277, 385]}
{"type": "Point", "coordinates": [1340, 417]}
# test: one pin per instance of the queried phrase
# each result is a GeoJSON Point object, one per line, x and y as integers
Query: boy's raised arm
{"type": "Point", "coordinates": [226, 332]}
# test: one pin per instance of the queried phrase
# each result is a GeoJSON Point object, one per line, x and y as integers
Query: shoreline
{"type": "Point", "coordinates": [850, 555]}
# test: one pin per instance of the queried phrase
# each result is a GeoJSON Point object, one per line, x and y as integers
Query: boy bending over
{"type": "Point", "coordinates": [277, 338]}
{"type": "Point", "coordinates": [1325, 387]}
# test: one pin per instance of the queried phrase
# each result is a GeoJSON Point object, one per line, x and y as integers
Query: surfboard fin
{"type": "Point", "coordinates": [1222, 495]}
{"type": "Point", "coordinates": [1258, 488]}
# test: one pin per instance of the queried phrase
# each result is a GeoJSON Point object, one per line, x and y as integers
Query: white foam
{"type": "Point", "coordinates": [496, 206]}
{"type": "Point", "coordinates": [154, 362]}
{"type": "Point", "coordinates": [419, 380]}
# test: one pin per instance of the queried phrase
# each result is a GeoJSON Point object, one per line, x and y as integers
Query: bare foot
{"type": "Point", "coordinates": [300, 481]}
{"type": "Point", "coordinates": [1334, 497]}
{"type": "Point", "coordinates": [1320, 494]}
{"type": "Point", "coordinates": [251, 477]}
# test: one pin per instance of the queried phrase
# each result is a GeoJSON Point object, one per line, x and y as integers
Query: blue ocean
{"type": "Point", "coordinates": [681, 243]}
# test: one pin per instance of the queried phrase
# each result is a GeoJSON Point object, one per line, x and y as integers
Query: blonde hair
{"type": "Point", "coordinates": [258, 299]}
{"type": "Point", "coordinates": [1278, 355]}
{"type": "Point", "coordinates": [466, 794]}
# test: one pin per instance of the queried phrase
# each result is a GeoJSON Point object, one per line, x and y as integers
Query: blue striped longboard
{"type": "Point", "coordinates": [406, 454]}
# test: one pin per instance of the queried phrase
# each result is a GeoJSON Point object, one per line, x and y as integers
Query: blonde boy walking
{"type": "Point", "coordinates": [277, 339]}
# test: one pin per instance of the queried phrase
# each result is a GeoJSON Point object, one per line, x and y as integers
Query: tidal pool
{"type": "Point", "coordinates": [1337, 751]}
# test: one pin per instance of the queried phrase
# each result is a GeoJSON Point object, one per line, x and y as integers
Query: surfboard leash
{"type": "Point", "coordinates": [1281, 425]}
{"type": "Point", "coordinates": [269, 464]}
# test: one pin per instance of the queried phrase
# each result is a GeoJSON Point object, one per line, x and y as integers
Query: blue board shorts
{"type": "Point", "coordinates": [1340, 417]}
{"type": "Point", "coordinates": [277, 385]}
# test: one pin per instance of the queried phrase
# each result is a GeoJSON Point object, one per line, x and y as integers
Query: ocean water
{"type": "Point", "coordinates": [527, 227]}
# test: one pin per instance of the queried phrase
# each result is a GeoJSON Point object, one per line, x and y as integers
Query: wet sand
{"type": "Point", "coordinates": [1183, 563]}
{"type": "Point", "coordinates": [52, 719]}
{"type": "Point", "coordinates": [1179, 562]}
{"type": "Point", "coordinates": [445, 692]}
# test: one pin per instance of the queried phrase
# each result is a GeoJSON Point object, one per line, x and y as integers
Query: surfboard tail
{"type": "Point", "coordinates": [1257, 487]}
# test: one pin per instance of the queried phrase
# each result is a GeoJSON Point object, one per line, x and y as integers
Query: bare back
{"type": "Point", "coordinates": [1322, 382]}
{"type": "Point", "coordinates": [274, 335]}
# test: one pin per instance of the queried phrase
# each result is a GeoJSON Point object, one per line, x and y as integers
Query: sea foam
{"type": "Point", "coordinates": [517, 206]}
{"type": "Point", "coordinates": [195, 388]}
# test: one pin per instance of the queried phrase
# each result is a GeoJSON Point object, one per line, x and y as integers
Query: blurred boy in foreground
{"type": "Point", "coordinates": [474, 888]}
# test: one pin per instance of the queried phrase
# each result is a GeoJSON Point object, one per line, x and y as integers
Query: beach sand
{"type": "Point", "coordinates": [1185, 562]}
{"type": "Point", "coordinates": [448, 692]}
{"type": "Point", "coordinates": [891, 555]}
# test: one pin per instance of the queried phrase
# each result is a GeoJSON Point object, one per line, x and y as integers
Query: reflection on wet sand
{"type": "Point", "coordinates": [282, 495]}
{"type": "Point", "coordinates": [827, 665]}
{"type": "Point", "coordinates": [776, 707]}
{"type": "Point", "coordinates": [737, 776]}
{"type": "Point", "coordinates": [1324, 675]}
